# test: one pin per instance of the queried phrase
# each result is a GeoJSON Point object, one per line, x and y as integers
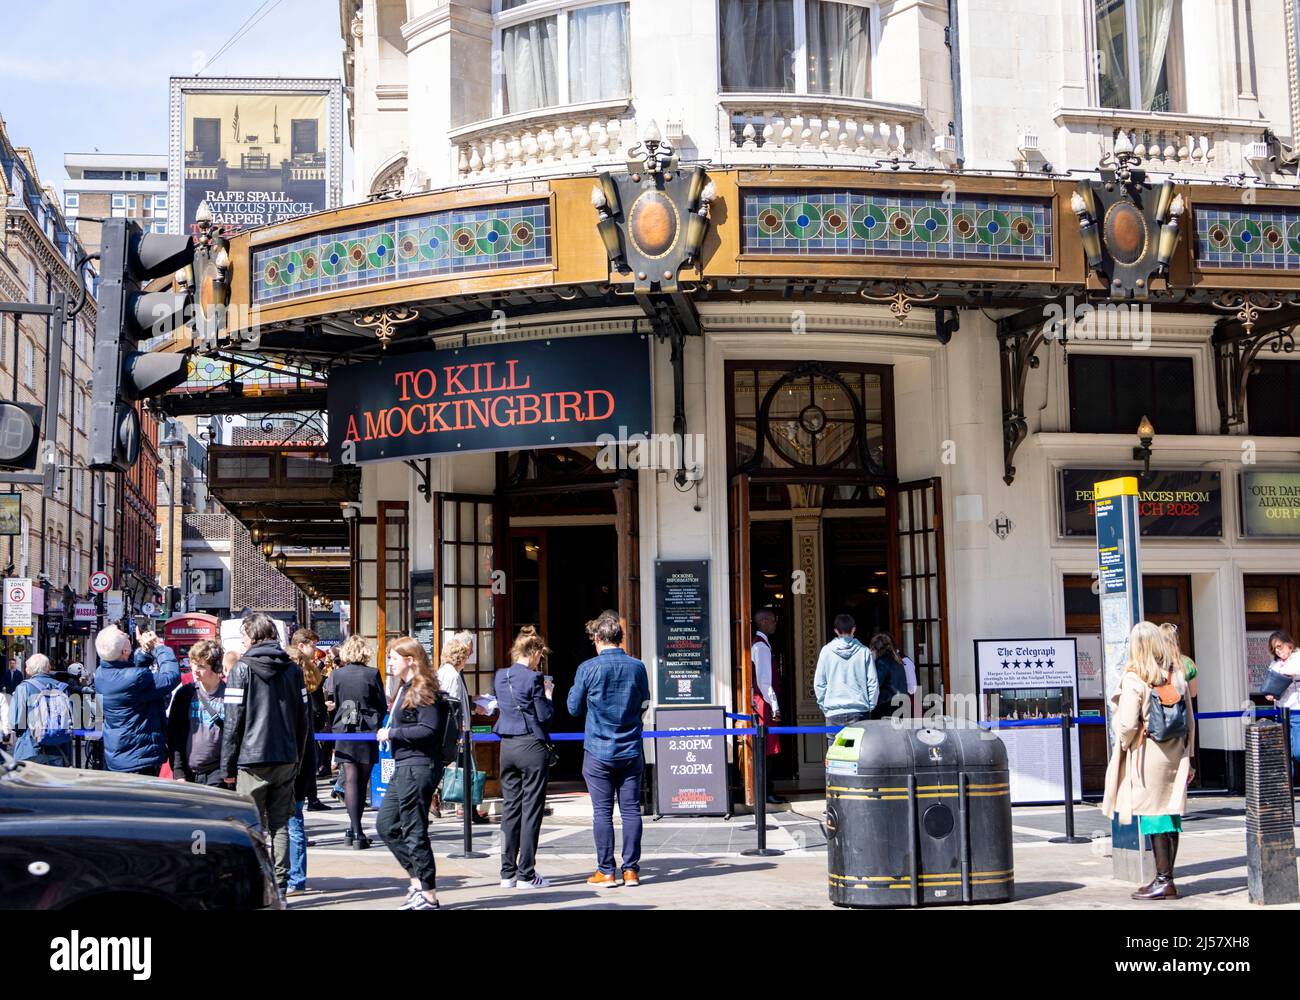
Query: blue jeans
{"type": "Point", "coordinates": [607, 780]}
{"type": "Point", "coordinates": [297, 849]}
{"type": "Point", "coordinates": [1295, 735]}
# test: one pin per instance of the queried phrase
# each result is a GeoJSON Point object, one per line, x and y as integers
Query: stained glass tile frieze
{"type": "Point", "coordinates": [488, 238]}
{"type": "Point", "coordinates": [1265, 238]}
{"type": "Point", "coordinates": [822, 222]}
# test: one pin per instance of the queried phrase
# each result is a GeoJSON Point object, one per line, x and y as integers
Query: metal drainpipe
{"type": "Point", "coordinates": [954, 63]}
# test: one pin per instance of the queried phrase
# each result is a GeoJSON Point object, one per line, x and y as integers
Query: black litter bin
{"type": "Point", "coordinates": [918, 814]}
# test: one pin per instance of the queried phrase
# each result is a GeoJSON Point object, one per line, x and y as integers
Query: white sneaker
{"type": "Point", "coordinates": [508, 883]}
{"type": "Point", "coordinates": [536, 882]}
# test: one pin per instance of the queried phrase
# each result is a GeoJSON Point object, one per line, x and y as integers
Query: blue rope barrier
{"type": "Point", "coordinates": [738, 718]}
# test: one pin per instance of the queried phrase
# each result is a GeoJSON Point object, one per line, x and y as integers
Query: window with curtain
{"type": "Point", "coordinates": [796, 46]}
{"type": "Point", "coordinates": [1139, 55]}
{"type": "Point", "coordinates": [573, 56]}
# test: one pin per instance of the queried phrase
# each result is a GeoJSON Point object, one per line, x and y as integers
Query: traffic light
{"type": "Point", "coordinates": [20, 435]}
{"type": "Point", "coordinates": [127, 314]}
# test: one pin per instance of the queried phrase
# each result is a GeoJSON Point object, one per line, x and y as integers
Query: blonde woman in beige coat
{"type": "Point", "coordinates": [1145, 778]}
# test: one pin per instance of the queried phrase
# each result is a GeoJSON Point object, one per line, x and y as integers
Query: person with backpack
{"type": "Point", "coordinates": [41, 713]}
{"type": "Point", "coordinates": [134, 696]}
{"type": "Point", "coordinates": [415, 730]}
{"type": "Point", "coordinates": [359, 707]}
{"type": "Point", "coordinates": [455, 654]}
{"type": "Point", "coordinates": [265, 731]}
{"type": "Point", "coordinates": [891, 676]}
{"type": "Point", "coordinates": [1151, 766]}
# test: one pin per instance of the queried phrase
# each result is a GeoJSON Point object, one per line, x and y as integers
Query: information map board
{"type": "Point", "coordinates": [1026, 679]}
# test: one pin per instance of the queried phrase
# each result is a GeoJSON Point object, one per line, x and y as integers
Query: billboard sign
{"type": "Point", "coordinates": [258, 151]}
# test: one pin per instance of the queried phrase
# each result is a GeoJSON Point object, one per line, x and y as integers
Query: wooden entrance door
{"type": "Point", "coordinates": [742, 674]}
{"type": "Point", "coordinates": [629, 563]}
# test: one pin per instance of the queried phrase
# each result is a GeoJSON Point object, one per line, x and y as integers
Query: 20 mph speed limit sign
{"type": "Point", "coordinates": [100, 582]}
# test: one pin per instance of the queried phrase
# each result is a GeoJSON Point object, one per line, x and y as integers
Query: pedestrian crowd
{"type": "Point", "coordinates": [246, 719]}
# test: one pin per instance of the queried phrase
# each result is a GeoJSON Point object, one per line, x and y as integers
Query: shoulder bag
{"type": "Point", "coordinates": [552, 752]}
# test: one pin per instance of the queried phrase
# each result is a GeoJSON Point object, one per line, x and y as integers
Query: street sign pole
{"type": "Point", "coordinates": [1119, 574]}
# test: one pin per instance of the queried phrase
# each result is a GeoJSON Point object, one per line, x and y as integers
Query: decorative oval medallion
{"type": "Point", "coordinates": [1126, 233]}
{"type": "Point", "coordinates": [653, 224]}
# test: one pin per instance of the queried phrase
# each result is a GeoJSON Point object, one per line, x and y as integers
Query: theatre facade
{"type": "Point", "coordinates": [813, 364]}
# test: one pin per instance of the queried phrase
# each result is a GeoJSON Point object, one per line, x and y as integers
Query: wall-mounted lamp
{"type": "Point", "coordinates": [1146, 434]}
{"type": "Point", "coordinates": [350, 510]}
{"type": "Point", "coordinates": [604, 198]}
{"type": "Point", "coordinates": [280, 561]}
{"type": "Point", "coordinates": [702, 195]}
{"type": "Point", "coordinates": [1168, 215]}
{"type": "Point", "coordinates": [255, 533]}
{"type": "Point", "coordinates": [1081, 203]}
{"type": "Point", "coordinates": [267, 548]}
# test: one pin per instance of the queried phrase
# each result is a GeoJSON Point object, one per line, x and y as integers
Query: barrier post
{"type": "Point", "coordinates": [467, 784]}
{"type": "Point", "coordinates": [760, 796]}
{"type": "Point", "coordinates": [1067, 760]}
{"type": "Point", "coordinates": [1284, 717]}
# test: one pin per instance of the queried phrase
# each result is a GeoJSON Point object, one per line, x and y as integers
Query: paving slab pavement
{"type": "Point", "coordinates": [697, 864]}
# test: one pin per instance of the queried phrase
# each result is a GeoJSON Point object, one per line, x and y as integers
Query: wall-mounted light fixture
{"type": "Point", "coordinates": [701, 197]}
{"type": "Point", "coordinates": [1146, 435]}
{"type": "Point", "coordinates": [1170, 209]}
{"type": "Point", "coordinates": [267, 548]}
{"type": "Point", "coordinates": [1083, 205]}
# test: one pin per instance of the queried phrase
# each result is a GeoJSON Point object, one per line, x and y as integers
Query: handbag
{"type": "Point", "coordinates": [453, 785]}
{"type": "Point", "coordinates": [552, 751]}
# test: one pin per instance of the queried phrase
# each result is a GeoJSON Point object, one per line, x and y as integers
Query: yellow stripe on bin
{"type": "Point", "coordinates": [927, 788]}
{"type": "Point", "coordinates": [986, 795]}
{"type": "Point", "coordinates": [1001, 784]}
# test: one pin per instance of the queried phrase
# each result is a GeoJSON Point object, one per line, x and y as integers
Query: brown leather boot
{"type": "Point", "coordinates": [1162, 887]}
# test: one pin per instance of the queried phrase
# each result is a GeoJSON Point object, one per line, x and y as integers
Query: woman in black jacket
{"type": "Point", "coordinates": [414, 731]}
{"type": "Point", "coordinates": [359, 707]}
{"type": "Point", "coordinates": [524, 727]}
{"type": "Point", "coordinates": [892, 677]}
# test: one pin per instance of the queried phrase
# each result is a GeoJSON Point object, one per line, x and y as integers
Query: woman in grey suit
{"type": "Point", "coordinates": [524, 700]}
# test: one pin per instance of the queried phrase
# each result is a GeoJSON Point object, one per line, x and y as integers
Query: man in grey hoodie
{"type": "Point", "coordinates": [845, 684]}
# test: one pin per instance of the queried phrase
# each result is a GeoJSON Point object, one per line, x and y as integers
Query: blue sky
{"type": "Point", "coordinates": [76, 75]}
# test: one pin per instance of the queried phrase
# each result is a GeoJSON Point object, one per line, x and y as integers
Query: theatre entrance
{"type": "Point", "coordinates": [820, 526]}
{"type": "Point", "coordinates": [552, 548]}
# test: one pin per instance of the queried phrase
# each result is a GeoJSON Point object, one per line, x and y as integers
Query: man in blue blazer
{"type": "Point", "coordinates": [614, 691]}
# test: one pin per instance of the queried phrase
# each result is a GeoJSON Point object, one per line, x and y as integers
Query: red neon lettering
{"type": "Point", "coordinates": [408, 378]}
{"type": "Point", "coordinates": [388, 422]}
{"type": "Point", "coordinates": [352, 434]}
{"type": "Point", "coordinates": [496, 417]}
{"type": "Point", "coordinates": [428, 375]}
{"type": "Point", "coordinates": [570, 401]}
{"type": "Point", "coordinates": [591, 404]}
{"type": "Point", "coordinates": [375, 425]}
{"type": "Point", "coordinates": [514, 380]}
{"type": "Point", "coordinates": [529, 404]}
{"type": "Point", "coordinates": [453, 375]}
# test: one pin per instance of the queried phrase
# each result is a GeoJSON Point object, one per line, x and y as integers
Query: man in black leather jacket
{"type": "Point", "coordinates": [266, 729]}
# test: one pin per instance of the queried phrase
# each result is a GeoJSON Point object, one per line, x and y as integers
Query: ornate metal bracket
{"type": "Point", "coordinates": [424, 469]}
{"type": "Point", "coordinates": [385, 321]}
{"type": "Point", "coordinates": [1018, 355]}
{"type": "Point", "coordinates": [1234, 363]}
{"type": "Point", "coordinates": [901, 299]}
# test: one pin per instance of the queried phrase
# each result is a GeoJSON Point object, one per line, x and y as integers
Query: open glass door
{"type": "Point", "coordinates": [468, 589]}
{"type": "Point", "coordinates": [742, 680]}
{"type": "Point", "coordinates": [921, 626]}
{"type": "Point", "coordinates": [629, 564]}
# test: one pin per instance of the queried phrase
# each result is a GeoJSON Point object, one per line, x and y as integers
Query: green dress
{"type": "Point", "coordinates": [1148, 825]}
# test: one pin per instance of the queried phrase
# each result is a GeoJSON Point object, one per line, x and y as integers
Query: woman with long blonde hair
{"type": "Point", "coordinates": [1146, 777]}
{"type": "Point", "coordinates": [414, 732]}
{"type": "Point", "coordinates": [1188, 666]}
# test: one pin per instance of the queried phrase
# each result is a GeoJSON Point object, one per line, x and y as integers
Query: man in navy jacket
{"type": "Point", "coordinates": [134, 696]}
{"type": "Point", "coordinates": [614, 690]}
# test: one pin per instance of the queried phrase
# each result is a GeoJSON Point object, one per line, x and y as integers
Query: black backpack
{"type": "Point", "coordinates": [1166, 713]}
{"type": "Point", "coordinates": [451, 728]}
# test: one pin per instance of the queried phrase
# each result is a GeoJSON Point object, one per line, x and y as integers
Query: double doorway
{"type": "Point", "coordinates": [820, 526]}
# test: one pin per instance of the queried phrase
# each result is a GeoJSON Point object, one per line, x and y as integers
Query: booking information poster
{"type": "Point", "coordinates": [1019, 679]}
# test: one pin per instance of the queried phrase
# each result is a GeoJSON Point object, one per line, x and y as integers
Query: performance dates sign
{"type": "Point", "coordinates": [685, 675]}
{"type": "Point", "coordinates": [1171, 503]}
{"type": "Point", "coordinates": [529, 394]}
